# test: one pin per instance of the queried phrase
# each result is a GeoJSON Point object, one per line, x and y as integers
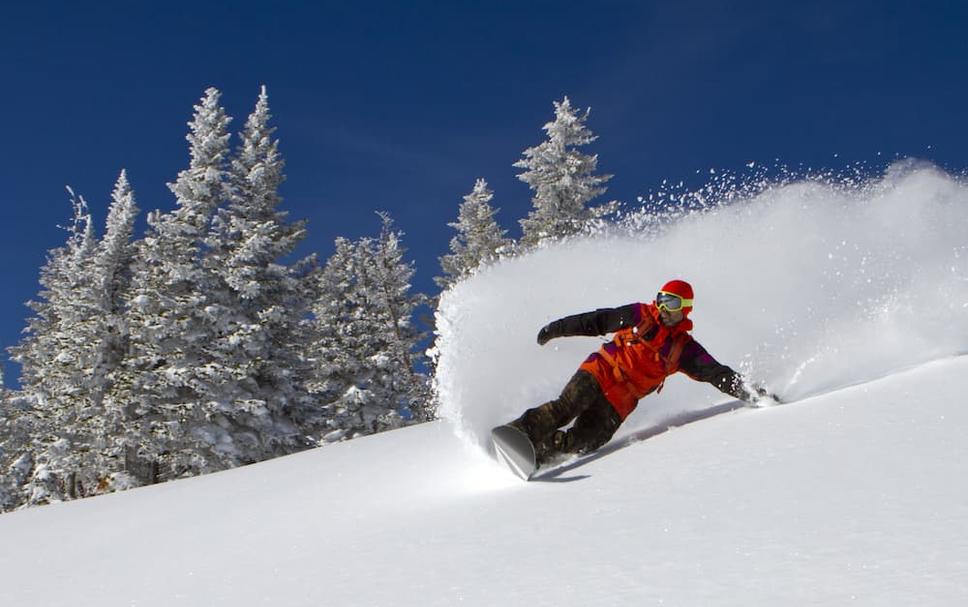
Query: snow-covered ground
{"type": "Point", "coordinates": [851, 303]}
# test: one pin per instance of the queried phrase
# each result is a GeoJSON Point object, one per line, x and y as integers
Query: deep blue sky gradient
{"type": "Point", "coordinates": [400, 106]}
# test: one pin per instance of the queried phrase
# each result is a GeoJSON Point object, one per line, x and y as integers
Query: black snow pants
{"type": "Point", "coordinates": [582, 401]}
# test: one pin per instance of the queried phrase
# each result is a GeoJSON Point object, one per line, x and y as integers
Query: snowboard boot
{"type": "Point", "coordinates": [562, 441]}
{"type": "Point", "coordinates": [535, 423]}
{"type": "Point", "coordinates": [520, 426]}
{"type": "Point", "coordinates": [543, 452]}
{"type": "Point", "coordinates": [553, 449]}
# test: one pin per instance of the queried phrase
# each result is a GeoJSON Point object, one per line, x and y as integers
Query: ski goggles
{"type": "Point", "coordinates": [670, 302]}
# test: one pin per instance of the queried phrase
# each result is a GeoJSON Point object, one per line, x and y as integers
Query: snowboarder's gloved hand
{"type": "Point", "coordinates": [761, 397]}
{"type": "Point", "coordinates": [546, 334]}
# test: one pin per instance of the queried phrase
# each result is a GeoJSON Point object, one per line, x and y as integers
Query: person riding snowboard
{"type": "Point", "coordinates": [651, 342]}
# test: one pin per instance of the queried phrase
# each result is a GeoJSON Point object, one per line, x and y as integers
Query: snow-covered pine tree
{"type": "Point", "coordinates": [479, 239]}
{"type": "Point", "coordinates": [562, 178]}
{"type": "Point", "coordinates": [262, 334]}
{"type": "Point", "coordinates": [170, 381]}
{"type": "Point", "coordinates": [112, 268]}
{"type": "Point", "coordinates": [400, 382]}
{"type": "Point", "coordinates": [366, 342]}
{"type": "Point", "coordinates": [71, 347]}
{"type": "Point", "coordinates": [56, 358]}
{"type": "Point", "coordinates": [93, 443]}
{"type": "Point", "coordinates": [59, 276]}
{"type": "Point", "coordinates": [338, 336]}
{"type": "Point", "coordinates": [345, 344]}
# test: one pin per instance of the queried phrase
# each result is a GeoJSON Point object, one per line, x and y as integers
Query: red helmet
{"type": "Point", "coordinates": [675, 295]}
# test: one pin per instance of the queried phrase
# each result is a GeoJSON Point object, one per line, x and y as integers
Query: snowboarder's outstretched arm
{"type": "Point", "coordinates": [698, 364]}
{"type": "Point", "coordinates": [599, 322]}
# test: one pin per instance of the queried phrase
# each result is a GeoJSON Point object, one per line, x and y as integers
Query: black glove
{"type": "Point", "coordinates": [546, 334]}
{"type": "Point", "coordinates": [761, 393]}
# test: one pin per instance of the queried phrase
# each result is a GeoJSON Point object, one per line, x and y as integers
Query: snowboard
{"type": "Point", "coordinates": [516, 451]}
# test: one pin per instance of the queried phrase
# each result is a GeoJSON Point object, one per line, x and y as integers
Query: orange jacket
{"type": "Point", "coordinates": [638, 359]}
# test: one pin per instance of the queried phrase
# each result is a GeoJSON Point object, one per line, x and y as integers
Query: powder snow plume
{"type": "Point", "coordinates": [806, 286]}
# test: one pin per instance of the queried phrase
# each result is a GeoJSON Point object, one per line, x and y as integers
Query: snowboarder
{"type": "Point", "coordinates": [651, 342]}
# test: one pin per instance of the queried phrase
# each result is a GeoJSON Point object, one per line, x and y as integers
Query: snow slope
{"type": "Point", "coordinates": [852, 302]}
{"type": "Point", "coordinates": [855, 497]}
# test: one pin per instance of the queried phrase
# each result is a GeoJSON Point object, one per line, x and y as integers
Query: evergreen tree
{"type": "Point", "coordinates": [338, 336]}
{"type": "Point", "coordinates": [169, 384]}
{"type": "Point", "coordinates": [108, 338]}
{"type": "Point", "coordinates": [366, 340]}
{"type": "Point", "coordinates": [563, 179]}
{"type": "Point", "coordinates": [55, 361]}
{"type": "Point", "coordinates": [346, 345]}
{"type": "Point", "coordinates": [399, 382]}
{"type": "Point", "coordinates": [479, 239]}
{"type": "Point", "coordinates": [59, 277]}
{"type": "Point", "coordinates": [71, 347]}
{"type": "Point", "coordinates": [264, 302]}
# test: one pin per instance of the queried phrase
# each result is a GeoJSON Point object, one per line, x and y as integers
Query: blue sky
{"type": "Point", "coordinates": [400, 106]}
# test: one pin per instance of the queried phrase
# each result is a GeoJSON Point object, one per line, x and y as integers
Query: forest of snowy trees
{"type": "Point", "coordinates": [202, 345]}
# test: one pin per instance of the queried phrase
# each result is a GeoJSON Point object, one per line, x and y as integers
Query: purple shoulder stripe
{"type": "Point", "coordinates": [641, 310]}
{"type": "Point", "coordinates": [695, 353]}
